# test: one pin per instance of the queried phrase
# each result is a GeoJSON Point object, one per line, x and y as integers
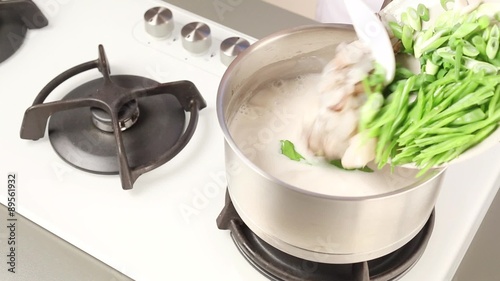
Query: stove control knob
{"type": "Point", "coordinates": [231, 47]}
{"type": "Point", "coordinates": [196, 37]}
{"type": "Point", "coordinates": [159, 22]}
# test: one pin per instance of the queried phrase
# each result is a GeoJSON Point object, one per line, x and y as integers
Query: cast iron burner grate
{"type": "Point", "coordinates": [121, 124]}
{"type": "Point", "coordinates": [279, 266]}
{"type": "Point", "coordinates": [16, 16]}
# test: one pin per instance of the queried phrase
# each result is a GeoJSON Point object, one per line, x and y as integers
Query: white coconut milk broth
{"type": "Point", "coordinates": [277, 112]}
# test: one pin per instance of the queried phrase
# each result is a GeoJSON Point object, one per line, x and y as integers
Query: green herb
{"type": "Point", "coordinates": [288, 149]}
{"type": "Point", "coordinates": [338, 164]}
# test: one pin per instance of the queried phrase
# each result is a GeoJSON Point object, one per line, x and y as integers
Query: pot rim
{"type": "Point", "coordinates": [222, 89]}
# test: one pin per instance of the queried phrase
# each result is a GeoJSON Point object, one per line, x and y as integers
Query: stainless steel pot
{"type": "Point", "coordinates": [312, 226]}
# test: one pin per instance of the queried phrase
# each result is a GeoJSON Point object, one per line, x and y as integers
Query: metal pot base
{"type": "Point", "coordinates": [277, 265]}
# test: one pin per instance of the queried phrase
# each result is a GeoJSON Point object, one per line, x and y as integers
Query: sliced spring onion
{"type": "Point", "coordinates": [414, 19]}
{"type": "Point", "coordinates": [492, 47]}
{"type": "Point", "coordinates": [465, 29]}
{"type": "Point", "coordinates": [480, 66]}
{"type": "Point", "coordinates": [444, 4]}
{"type": "Point", "coordinates": [396, 29]}
{"type": "Point", "coordinates": [469, 49]}
{"type": "Point", "coordinates": [407, 37]}
{"type": "Point", "coordinates": [423, 12]}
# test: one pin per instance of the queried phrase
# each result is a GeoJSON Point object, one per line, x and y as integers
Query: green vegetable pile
{"type": "Point", "coordinates": [453, 104]}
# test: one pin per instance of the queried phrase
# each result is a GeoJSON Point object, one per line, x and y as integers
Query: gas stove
{"type": "Point", "coordinates": [164, 228]}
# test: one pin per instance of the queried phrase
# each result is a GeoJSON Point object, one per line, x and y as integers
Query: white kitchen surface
{"type": "Point", "coordinates": [306, 8]}
{"type": "Point", "coordinates": [164, 229]}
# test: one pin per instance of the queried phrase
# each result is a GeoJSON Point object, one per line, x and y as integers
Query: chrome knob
{"type": "Point", "coordinates": [159, 22]}
{"type": "Point", "coordinates": [231, 47]}
{"type": "Point", "coordinates": [196, 37]}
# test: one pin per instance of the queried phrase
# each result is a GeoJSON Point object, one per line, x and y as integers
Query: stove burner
{"type": "Point", "coordinates": [77, 138]}
{"type": "Point", "coordinates": [96, 127]}
{"type": "Point", "coordinates": [128, 115]}
{"type": "Point", "coordinates": [16, 16]}
{"type": "Point", "coordinates": [279, 266]}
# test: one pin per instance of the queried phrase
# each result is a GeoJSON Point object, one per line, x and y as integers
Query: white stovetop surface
{"type": "Point", "coordinates": [164, 229]}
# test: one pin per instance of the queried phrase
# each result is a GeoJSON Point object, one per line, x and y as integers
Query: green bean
{"type": "Point", "coordinates": [444, 146]}
{"type": "Point", "coordinates": [488, 80]}
{"type": "Point", "coordinates": [482, 133]}
{"type": "Point", "coordinates": [441, 93]}
{"type": "Point", "coordinates": [441, 158]}
{"type": "Point", "coordinates": [434, 111]}
{"type": "Point", "coordinates": [494, 102]}
{"type": "Point", "coordinates": [466, 129]}
{"type": "Point", "coordinates": [429, 105]}
{"type": "Point", "coordinates": [406, 155]}
{"type": "Point", "coordinates": [417, 111]}
{"type": "Point", "coordinates": [386, 132]}
{"type": "Point", "coordinates": [471, 86]}
{"type": "Point", "coordinates": [478, 137]}
{"type": "Point", "coordinates": [470, 117]}
{"type": "Point", "coordinates": [426, 166]}
{"type": "Point", "coordinates": [441, 122]}
{"type": "Point", "coordinates": [388, 111]}
{"type": "Point", "coordinates": [467, 101]}
{"type": "Point", "coordinates": [435, 139]}
{"type": "Point", "coordinates": [403, 128]}
{"type": "Point", "coordinates": [458, 60]}
{"type": "Point", "coordinates": [404, 95]}
{"type": "Point", "coordinates": [382, 143]}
